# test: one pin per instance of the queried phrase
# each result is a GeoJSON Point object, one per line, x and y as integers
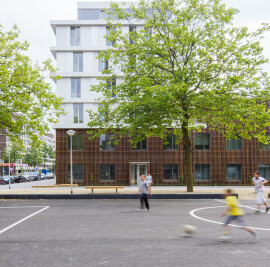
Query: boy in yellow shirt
{"type": "Point", "coordinates": [234, 213]}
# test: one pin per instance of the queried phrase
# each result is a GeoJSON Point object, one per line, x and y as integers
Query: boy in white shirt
{"type": "Point", "coordinates": [149, 180]}
{"type": "Point", "coordinates": [259, 183]}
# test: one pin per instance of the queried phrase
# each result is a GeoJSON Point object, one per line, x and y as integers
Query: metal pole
{"type": "Point", "coordinates": [9, 169]}
{"type": "Point", "coordinates": [71, 169]}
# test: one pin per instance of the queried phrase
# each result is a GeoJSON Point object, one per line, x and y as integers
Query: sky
{"type": "Point", "coordinates": [33, 19]}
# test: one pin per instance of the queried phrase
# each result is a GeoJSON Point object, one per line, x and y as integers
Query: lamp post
{"type": "Point", "coordinates": [71, 133]}
{"type": "Point", "coordinates": [8, 150]}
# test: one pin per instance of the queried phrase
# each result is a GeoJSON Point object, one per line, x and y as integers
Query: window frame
{"type": "Point", "coordinates": [203, 145]}
{"type": "Point", "coordinates": [77, 89]}
{"type": "Point", "coordinates": [174, 146]}
{"type": "Point", "coordinates": [140, 144]}
{"type": "Point", "coordinates": [77, 61]}
{"type": "Point", "coordinates": [111, 148]}
{"type": "Point", "coordinates": [234, 140]}
{"type": "Point", "coordinates": [80, 110]}
{"type": "Point", "coordinates": [76, 172]}
{"type": "Point", "coordinates": [109, 172]}
{"type": "Point", "coordinates": [76, 140]}
{"type": "Point", "coordinates": [172, 172]}
{"type": "Point", "coordinates": [262, 172]}
{"type": "Point", "coordinates": [201, 169]}
{"type": "Point", "coordinates": [75, 36]}
{"type": "Point", "coordinates": [228, 179]}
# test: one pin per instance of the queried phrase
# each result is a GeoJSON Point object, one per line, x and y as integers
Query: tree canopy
{"type": "Point", "coordinates": [27, 102]}
{"type": "Point", "coordinates": [182, 65]}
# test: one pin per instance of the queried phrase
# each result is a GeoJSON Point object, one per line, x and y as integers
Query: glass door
{"type": "Point", "coordinates": [136, 170]}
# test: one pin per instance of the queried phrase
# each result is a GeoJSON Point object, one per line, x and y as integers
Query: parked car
{"type": "Point", "coordinates": [6, 179]}
{"type": "Point", "coordinates": [49, 175]}
{"type": "Point", "coordinates": [2, 181]}
{"type": "Point", "coordinates": [21, 179]}
{"type": "Point", "coordinates": [43, 176]}
{"type": "Point", "coordinates": [34, 176]}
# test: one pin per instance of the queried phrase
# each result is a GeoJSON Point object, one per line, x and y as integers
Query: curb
{"type": "Point", "coordinates": [112, 196]}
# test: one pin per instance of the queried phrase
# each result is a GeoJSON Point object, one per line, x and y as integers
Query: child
{"type": "Point", "coordinates": [234, 213]}
{"type": "Point", "coordinates": [259, 183]}
{"type": "Point", "coordinates": [144, 190]}
{"type": "Point", "coordinates": [149, 180]}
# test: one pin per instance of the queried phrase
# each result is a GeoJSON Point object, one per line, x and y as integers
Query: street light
{"type": "Point", "coordinates": [71, 133]}
{"type": "Point", "coordinates": [8, 150]}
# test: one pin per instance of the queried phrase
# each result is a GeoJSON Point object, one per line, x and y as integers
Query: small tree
{"type": "Point", "coordinates": [186, 66]}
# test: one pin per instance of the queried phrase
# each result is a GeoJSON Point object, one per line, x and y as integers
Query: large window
{"type": "Point", "coordinates": [202, 172]}
{"type": "Point", "coordinates": [234, 144]}
{"type": "Point", "coordinates": [106, 142]}
{"type": "Point", "coordinates": [170, 142]}
{"type": "Point", "coordinates": [88, 14]}
{"type": "Point", "coordinates": [75, 36]}
{"type": "Point", "coordinates": [107, 172]}
{"type": "Point", "coordinates": [78, 113]}
{"type": "Point", "coordinates": [264, 170]}
{"type": "Point", "coordinates": [77, 142]}
{"type": "Point", "coordinates": [78, 62]}
{"type": "Point", "coordinates": [109, 42]}
{"type": "Point", "coordinates": [202, 141]}
{"type": "Point", "coordinates": [142, 145]}
{"type": "Point", "coordinates": [77, 172]}
{"type": "Point", "coordinates": [170, 172]}
{"type": "Point", "coordinates": [233, 172]}
{"type": "Point", "coordinates": [103, 65]}
{"type": "Point", "coordinates": [111, 84]}
{"type": "Point", "coordinates": [75, 88]}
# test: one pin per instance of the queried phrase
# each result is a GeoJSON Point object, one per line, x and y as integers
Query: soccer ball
{"type": "Point", "coordinates": [189, 229]}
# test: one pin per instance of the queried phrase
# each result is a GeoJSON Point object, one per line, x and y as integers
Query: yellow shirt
{"type": "Point", "coordinates": [233, 203]}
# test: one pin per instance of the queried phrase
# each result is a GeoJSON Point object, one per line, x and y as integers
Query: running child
{"type": "Point", "coordinates": [259, 183]}
{"type": "Point", "coordinates": [234, 213]}
{"type": "Point", "coordinates": [144, 190]}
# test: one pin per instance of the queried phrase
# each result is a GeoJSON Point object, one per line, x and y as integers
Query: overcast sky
{"type": "Point", "coordinates": [33, 18]}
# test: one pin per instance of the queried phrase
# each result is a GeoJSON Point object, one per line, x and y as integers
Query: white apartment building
{"type": "Point", "coordinates": [78, 43]}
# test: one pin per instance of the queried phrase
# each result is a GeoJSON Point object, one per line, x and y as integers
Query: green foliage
{"type": "Point", "coordinates": [17, 150]}
{"type": "Point", "coordinates": [186, 67]}
{"type": "Point", "coordinates": [47, 152]}
{"type": "Point", "coordinates": [27, 103]}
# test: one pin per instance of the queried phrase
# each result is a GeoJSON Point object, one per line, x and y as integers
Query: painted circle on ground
{"type": "Point", "coordinates": [192, 213]}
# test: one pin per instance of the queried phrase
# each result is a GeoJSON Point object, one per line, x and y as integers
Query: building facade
{"type": "Point", "coordinates": [215, 159]}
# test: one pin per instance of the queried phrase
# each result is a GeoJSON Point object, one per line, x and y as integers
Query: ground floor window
{"type": "Point", "coordinates": [264, 170]}
{"type": "Point", "coordinates": [202, 172]}
{"type": "Point", "coordinates": [170, 171]}
{"type": "Point", "coordinates": [77, 172]}
{"type": "Point", "coordinates": [233, 172]}
{"type": "Point", "coordinates": [107, 172]}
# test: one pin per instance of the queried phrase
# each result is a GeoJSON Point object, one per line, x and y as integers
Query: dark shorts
{"type": "Point", "coordinates": [239, 219]}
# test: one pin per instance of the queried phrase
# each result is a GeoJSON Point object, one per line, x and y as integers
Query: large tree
{"type": "Point", "coordinates": [184, 67]}
{"type": "Point", "coordinates": [27, 102]}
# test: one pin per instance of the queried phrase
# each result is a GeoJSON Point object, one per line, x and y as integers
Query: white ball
{"type": "Point", "coordinates": [189, 229]}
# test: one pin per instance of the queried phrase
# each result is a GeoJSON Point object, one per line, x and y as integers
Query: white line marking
{"type": "Point", "coordinates": [221, 223]}
{"type": "Point", "coordinates": [22, 207]}
{"type": "Point", "coordinates": [22, 220]}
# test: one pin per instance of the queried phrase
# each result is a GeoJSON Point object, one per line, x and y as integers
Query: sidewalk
{"type": "Point", "coordinates": [244, 192]}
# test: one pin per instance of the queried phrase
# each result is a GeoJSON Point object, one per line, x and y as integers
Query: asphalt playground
{"type": "Point", "coordinates": [114, 233]}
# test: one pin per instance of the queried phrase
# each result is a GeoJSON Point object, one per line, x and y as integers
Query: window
{"type": "Point", "coordinates": [263, 146]}
{"type": "Point", "coordinates": [171, 142]}
{"type": "Point", "coordinates": [202, 141]}
{"type": "Point", "coordinates": [77, 172]}
{"type": "Point", "coordinates": [264, 170]}
{"type": "Point", "coordinates": [170, 171]}
{"type": "Point", "coordinates": [88, 14]}
{"type": "Point", "coordinates": [111, 84]}
{"type": "Point", "coordinates": [107, 172]}
{"type": "Point", "coordinates": [75, 88]}
{"type": "Point", "coordinates": [103, 65]}
{"type": "Point", "coordinates": [234, 144]}
{"type": "Point", "coordinates": [142, 145]}
{"type": "Point", "coordinates": [77, 62]}
{"type": "Point", "coordinates": [233, 172]}
{"type": "Point", "coordinates": [108, 32]}
{"type": "Point", "coordinates": [77, 142]}
{"type": "Point", "coordinates": [102, 14]}
{"type": "Point", "coordinates": [132, 32]}
{"type": "Point", "coordinates": [75, 36]}
{"type": "Point", "coordinates": [106, 142]}
{"type": "Point", "coordinates": [202, 172]}
{"type": "Point", "coordinates": [78, 113]}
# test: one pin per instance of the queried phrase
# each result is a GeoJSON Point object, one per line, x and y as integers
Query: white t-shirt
{"type": "Point", "coordinates": [149, 179]}
{"type": "Point", "coordinates": [257, 183]}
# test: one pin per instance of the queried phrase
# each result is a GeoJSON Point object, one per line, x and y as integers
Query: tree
{"type": "Point", "coordinates": [47, 152]}
{"type": "Point", "coordinates": [17, 150]}
{"type": "Point", "coordinates": [33, 157]}
{"type": "Point", "coordinates": [27, 102]}
{"type": "Point", "coordinates": [186, 68]}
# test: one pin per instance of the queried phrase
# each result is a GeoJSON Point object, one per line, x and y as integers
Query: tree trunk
{"type": "Point", "coordinates": [188, 156]}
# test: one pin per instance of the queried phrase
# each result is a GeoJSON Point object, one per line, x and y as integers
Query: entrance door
{"type": "Point", "coordinates": [136, 170]}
